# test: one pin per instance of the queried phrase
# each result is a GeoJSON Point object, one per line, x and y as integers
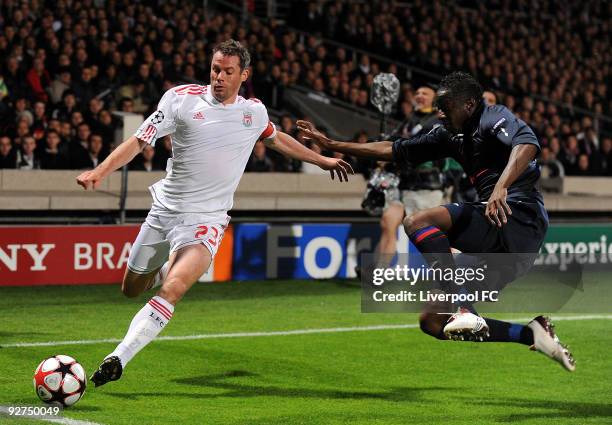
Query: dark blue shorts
{"type": "Point", "coordinates": [471, 232]}
{"type": "Point", "coordinates": [520, 239]}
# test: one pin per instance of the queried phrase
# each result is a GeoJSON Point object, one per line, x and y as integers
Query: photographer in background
{"type": "Point", "coordinates": [399, 194]}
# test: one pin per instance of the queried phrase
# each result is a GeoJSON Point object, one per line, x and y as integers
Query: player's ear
{"type": "Point", "coordinates": [245, 74]}
{"type": "Point", "coordinates": [470, 105]}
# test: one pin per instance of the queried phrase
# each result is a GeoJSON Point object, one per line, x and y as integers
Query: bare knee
{"type": "Point", "coordinates": [174, 289]}
{"type": "Point", "coordinates": [392, 218]}
{"type": "Point", "coordinates": [388, 226]}
{"type": "Point", "coordinates": [437, 216]}
{"type": "Point", "coordinates": [416, 221]}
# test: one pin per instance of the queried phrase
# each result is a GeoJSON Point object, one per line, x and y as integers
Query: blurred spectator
{"type": "Point", "coordinates": [288, 126]}
{"type": "Point", "coordinates": [84, 87]}
{"type": "Point", "coordinates": [570, 155]}
{"type": "Point", "coordinates": [60, 84]}
{"type": "Point", "coordinates": [94, 108]}
{"type": "Point", "coordinates": [14, 79]}
{"type": "Point", "coordinates": [79, 148]}
{"type": "Point", "coordinates": [259, 161]}
{"type": "Point", "coordinates": [163, 151]}
{"type": "Point", "coordinates": [94, 150]}
{"type": "Point", "coordinates": [8, 155]}
{"type": "Point", "coordinates": [308, 168]}
{"type": "Point", "coordinates": [3, 88]}
{"type": "Point", "coordinates": [52, 156]}
{"type": "Point", "coordinates": [27, 158]}
{"type": "Point", "coordinates": [145, 160]}
{"type": "Point", "coordinates": [129, 53]}
{"type": "Point", "coordinates": [424, 115]}
{"type": "Point", "coordinates": [40, 120]}
{"type": "Point", "coordinates": [66, 132]}
{"type": "Point", "coordinates": [23, 129]}
{"type": "Point", "coordinates": [362, 165]}
{"type": "Point", "coordinates": [68, 105]}
{"type": "Point", "coordinates": [22, 112]}
{"type": "Point", "coordinates": [584, 168]}
{"type": "Point", "coordinates": [605, 157]}
{"type": "Point", "coordinates": [489, 97]}
{"type": "Point", "coordinates": [105, 126]}
{"type": "Point", "coordinates": [38, 80]}
{"type": "Point", "coordinates": [126, 104]}
{"type": "Point", "coordinates": [281, 163]}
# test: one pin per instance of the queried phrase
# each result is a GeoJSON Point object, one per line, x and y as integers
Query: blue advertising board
{"type": "Point", "coordinates": [304, 251]}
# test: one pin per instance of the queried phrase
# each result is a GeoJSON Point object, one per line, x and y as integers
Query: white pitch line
{"type": "Point", "coordinates": [4, 410]}
{"type": "Point", "coordinates": [272, 333]}
{"type": "Point", "coordinates": [211, 336]}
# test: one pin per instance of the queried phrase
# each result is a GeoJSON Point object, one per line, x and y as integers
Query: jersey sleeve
{"type": "Point", "coordinates": [509, 129]}
{"type": "Point", "coordinates": [427, 147]}
{"type": "Point", "coordinates": [161, 122]}
{"type": "Point", "coordinates": [268, 129]}
{"type": "Point", "coordinates": [269, 133]}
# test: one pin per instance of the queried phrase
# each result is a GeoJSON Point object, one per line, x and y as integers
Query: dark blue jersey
{"type": "Point", "coordinates": [483, 150]}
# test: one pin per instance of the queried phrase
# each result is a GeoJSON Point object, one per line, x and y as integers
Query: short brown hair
{"type": "Point", "coordinates": [232, 47]}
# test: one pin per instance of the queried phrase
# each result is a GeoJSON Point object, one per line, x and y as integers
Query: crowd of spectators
{"type": "Point", "coordinates": [66, 66]}
{"type": "Point", "coordinates": [523, 51]}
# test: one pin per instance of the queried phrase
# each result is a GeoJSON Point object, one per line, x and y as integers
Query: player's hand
{"type": "Point", "coordinates": [310, 132]}
{"type": "Point", "coordinates": [339, 166]}
{"type": "Point", "coordinates": [89, 179]}
{"type": "Point", "coordinates": [497, 210]}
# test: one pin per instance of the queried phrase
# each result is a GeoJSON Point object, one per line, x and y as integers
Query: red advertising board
{"type": "Point", "coordinates": [73, 255]}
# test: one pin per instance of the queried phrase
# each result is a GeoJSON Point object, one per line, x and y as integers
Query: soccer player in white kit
{"type": "Point", "coordinates": [213, 132]}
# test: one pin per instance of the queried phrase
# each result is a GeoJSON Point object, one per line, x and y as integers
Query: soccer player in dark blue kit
{"type": "Point", "coordinates": [497, 150]}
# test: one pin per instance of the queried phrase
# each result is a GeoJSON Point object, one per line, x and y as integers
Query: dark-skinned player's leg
{"type": "Point", "coordinates": [469, 231]}
{"type": "Point", "coordinates": [520, 239]}
{"type": "Point", "coordinates": [427, 231]}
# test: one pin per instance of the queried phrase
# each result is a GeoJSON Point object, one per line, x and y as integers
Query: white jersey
{"type": "Point", "coordinates": [211, 145]}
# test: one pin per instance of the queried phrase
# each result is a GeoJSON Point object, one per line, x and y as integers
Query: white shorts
{"type": "Point", "coordinates": [165, 232]}
{"type": "Point", "coordinates": [417, 200]}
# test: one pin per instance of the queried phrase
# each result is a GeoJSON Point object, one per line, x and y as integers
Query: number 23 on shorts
{"type": "Point", "coordinates": [205, 230]}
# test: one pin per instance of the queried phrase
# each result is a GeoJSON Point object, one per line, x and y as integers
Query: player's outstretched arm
{"type": "Point", "coordinates": [497, 207]}
{"type": "Point", "coordinates": [376, 150]}
{"type": "Point", "coordinates": [290, 147]}
{"type": "Point", "coordinates": [122, 155]}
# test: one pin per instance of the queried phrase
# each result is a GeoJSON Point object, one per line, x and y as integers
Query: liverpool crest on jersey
{"type": "Point", "coordinates": [247, 119]}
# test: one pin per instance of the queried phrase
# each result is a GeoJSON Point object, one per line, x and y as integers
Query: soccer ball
{"type": "Point", "coordinates": [60, 379]}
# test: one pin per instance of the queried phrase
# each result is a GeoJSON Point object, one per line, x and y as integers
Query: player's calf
{"type": "Point", "coordinates": [433, 318]}
{"type": "Point", "coordinates": [426, 230]}
{"type": "Point", "coordinates": [433, 324]}
{"type": "Point", "coordinates": [189, 264]}
{"type": "Point", "coordinates": [174, 289]}
{"type": "Point", "coordinates": [145, 326]}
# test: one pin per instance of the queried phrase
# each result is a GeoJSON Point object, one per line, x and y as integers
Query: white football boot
{"type": "Point", "coordinates": [466, 326]}
{"type": "Point", "coordinates": [546, 342]}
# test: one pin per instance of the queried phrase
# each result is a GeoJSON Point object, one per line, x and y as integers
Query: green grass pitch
{"type": "Point", "coordinates": [392, 376]}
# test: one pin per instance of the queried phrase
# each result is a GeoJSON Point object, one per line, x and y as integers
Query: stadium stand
{"type": "Point", "coordinates": [68, 65]}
